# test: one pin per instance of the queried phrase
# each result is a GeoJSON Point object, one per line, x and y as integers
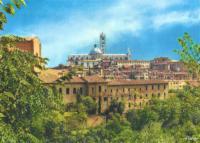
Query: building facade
{"type": "Point", "coordinates": [96, 56]}
{"type": "Point", "coordinates": [30, 44]}
{"type": "Point", "coordinates": [142, 64]}
{"type": "Point", "coordinates": [25, 44]}
{"type": "Point", "coordinates": [165, 69]}
{"type": "Point", "coordinates": [134, 93]}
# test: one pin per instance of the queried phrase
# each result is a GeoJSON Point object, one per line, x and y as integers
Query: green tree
{"type": "Point", "coordinates": [90, 104]}
{"type": "Point", "coordinates": [190, 53]}
{"type": "Point", "coordinates": [23, 97]}
{"type": "Point", "coordinates": [117, 107]}
{"type": "Point", "coordinates": [140, 118]}
{"type": "Point", "coordinates": [153, 133]}
{"type": "Point", "coordinates": [9, 8]}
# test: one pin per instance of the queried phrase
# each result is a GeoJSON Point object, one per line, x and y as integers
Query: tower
{"type": "Point", "coordinates": [102, 42]}
{"type": "Point", "coordinates": [129, 53]}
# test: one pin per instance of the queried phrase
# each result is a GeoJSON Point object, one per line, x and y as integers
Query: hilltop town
{"type": "Point", "coordinates": [105, 95]}
{"type": "Point", "coordinates": [106, 77]}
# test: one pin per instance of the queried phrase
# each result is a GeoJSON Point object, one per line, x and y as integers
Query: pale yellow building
{"type": "Point", "coordinates": [176, 84]}
{"type": "Point", "coordinates": [134, 93]}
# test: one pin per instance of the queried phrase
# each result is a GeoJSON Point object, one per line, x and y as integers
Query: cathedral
{"type": "Point", "coordinates": [96, 55]}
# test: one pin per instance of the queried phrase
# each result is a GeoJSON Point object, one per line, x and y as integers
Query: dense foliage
{"type": "Point", "coordinates": [190, 54]}
{"type": "Point", "coordinates": [117, 107]}
{"type": "Point", "coordinates": [23, 97]}
{"type": "Point", "coordinates": [174, 120]}
{"type": "Point", "coordinates": [32, 112]}
{"type": "Point", "coordinates": [9, 8]}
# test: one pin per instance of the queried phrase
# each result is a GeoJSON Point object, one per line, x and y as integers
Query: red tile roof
{"type": "Point", "coordinates": [136, 82]}
{"type": "Point", "coordinates": [75, 79]}
{"type": "Point", "coordinates": [51, 75]}
{"type": "Point", "coordinates": [94, 79]}
{"type": "Point", "coordinates": [194, 83]}
{"type": "Point", "coordinates": [128, 61]}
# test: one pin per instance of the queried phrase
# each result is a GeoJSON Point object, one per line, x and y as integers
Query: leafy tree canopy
{"type": "Point", "coordinates": [9, 8]}
{"type": "Point", "coordinates": [23, 97]}
{"type": "Point", "coordinates": [190, 53]}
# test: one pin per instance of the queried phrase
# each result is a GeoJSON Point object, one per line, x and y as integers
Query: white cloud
{"type": "Point", "coordinates": [76, 31]}
{"type": "Point", "coordinates": [177, 17]}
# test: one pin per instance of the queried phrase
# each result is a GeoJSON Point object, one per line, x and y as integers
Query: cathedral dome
{"type": "Point", "coordinates": [95, 51]}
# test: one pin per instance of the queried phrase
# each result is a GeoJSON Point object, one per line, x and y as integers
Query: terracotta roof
{"type": "Point", "coordinates": [194, 83]}
{"type": "Point", "coordinates": [94, 79]}
{"type": "Point", "coordinates": [51, 75]}
{"type": "Point", "coordinates": [135, 82]}
{"type": "Point", "coordinates": [75, 79]}
{"type": "Point", "coordinates": [128, 61]}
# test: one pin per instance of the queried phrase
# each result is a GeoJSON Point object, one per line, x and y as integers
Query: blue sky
{"type": "Point", "coordinates": [150, 28]}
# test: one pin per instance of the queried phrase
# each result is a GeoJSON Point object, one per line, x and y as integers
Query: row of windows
{"type": "Point", "coordinates": [117, 90]}
{"type": "Point", "coordinates": [140, 89]}
{"type": "Point", "coordinates": [74, 90]}
{"type": "Point", "coordinates": [135, 97]}
{"type": "Point", "coordinates": [77, 58]}
{"type": "Point", "coordinates": [99, 89]}
{"type": "Point", "coordinates": [80, 90]}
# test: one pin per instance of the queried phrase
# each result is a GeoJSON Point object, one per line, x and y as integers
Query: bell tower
{"type": "Point", "coordinates": [102, 42]}
{"type": "Point", "coordinates": [129, 53]}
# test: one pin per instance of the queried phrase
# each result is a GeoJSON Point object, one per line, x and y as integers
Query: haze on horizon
{"type": "Point", "coordinates": [149, 29]}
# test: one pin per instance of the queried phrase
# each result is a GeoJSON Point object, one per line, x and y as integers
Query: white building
{"type": "Point", "coordinates": [96, 55]}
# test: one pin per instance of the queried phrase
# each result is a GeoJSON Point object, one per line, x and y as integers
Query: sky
{"type": "Point", "coordinates": [150, 28]}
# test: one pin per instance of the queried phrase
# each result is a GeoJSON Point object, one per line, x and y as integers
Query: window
{"type": "Point", "coordinates": [158, 86]}
{"type": "Point", "coordinates": [146, 95]}
{"type": "Point", "coordinates": [140, 104]}
{"type": "Point", "coordinates": [135, 97]}
{"type": "Point", "coordinates": [146, 87]}
{"type": "Point", "coordinates": [158, 95]}
{"type": "Point", "coordinates": [81, 90]}
{"type": "Point", "coordinates": [123, 90]}
{"type": "Point", "coordinates": [92, 89]}
{"type": "Point", "coordinates": [60, 90]}
{"type": "Point", "coordinates": [164, 86]}
{"type": "Point", "coordinates": [129, 105]}
{"type": "Point", "coordinates": [129, 97]}
{"type": "Point", "coordinates": [117, 90]}
{"type": "Point", "coordinates": [111, 90]}
{"type": "Point", "coordinates": [152, 95]}
{"type": "Point", "coordinates": [152, 87]}
{"type": "Point", "coordinates": [105, 99]}
{"type": "Point", "coordinates": [74, 91]}
{"type": "Point", "coordinates": [111, 98]}
{"type": "Point", "coordinates": [140, 96]}
{"type": "Point", "coordinates": [99, 88]}
{"type": "Point", "coordinates": [67, 90]}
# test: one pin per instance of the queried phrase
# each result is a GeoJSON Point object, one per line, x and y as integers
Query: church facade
{"type": "Point", "coordinates": [96, 55]}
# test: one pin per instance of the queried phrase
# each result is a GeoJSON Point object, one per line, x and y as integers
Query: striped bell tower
{"type": "Point", "coordinates": [102, 42]}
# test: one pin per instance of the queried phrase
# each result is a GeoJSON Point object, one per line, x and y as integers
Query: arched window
{"type": "Point", "coordinates": [74, 90]}
{"type": "Point", "coordinates": [60, 90]}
